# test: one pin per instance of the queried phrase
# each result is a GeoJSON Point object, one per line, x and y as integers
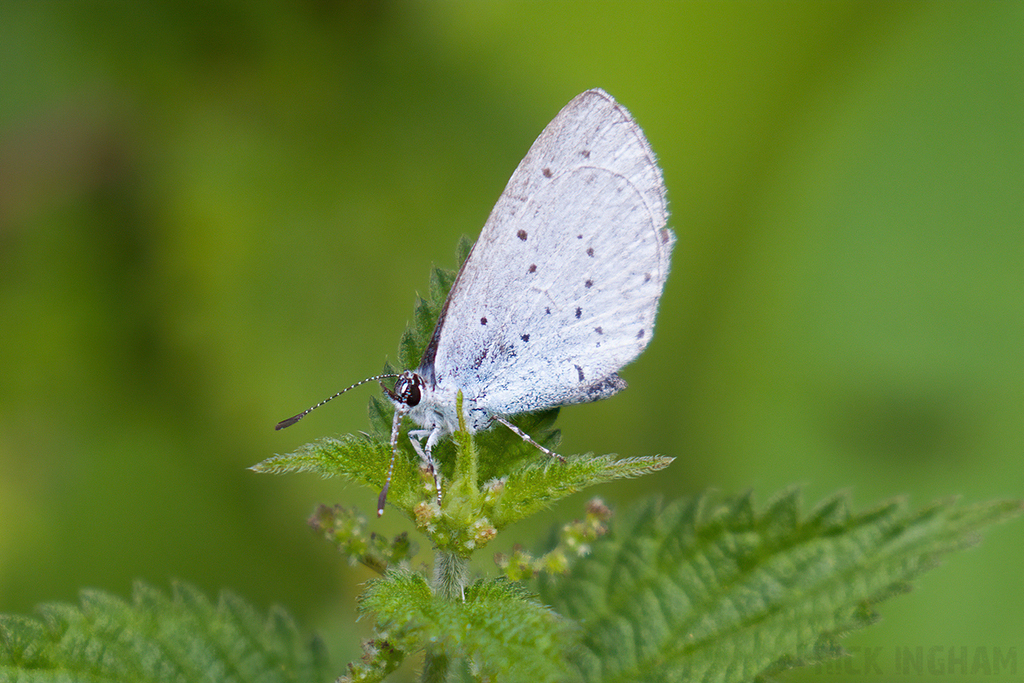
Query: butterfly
{"type": "Point", "coordinates": [559, 292]}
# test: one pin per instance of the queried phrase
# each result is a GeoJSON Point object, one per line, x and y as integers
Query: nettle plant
{"type": "Point", "coordinates": [707, 588]}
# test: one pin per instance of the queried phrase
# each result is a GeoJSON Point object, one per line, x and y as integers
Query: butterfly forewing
{"type": "Point", "coordinates": [562, 287]}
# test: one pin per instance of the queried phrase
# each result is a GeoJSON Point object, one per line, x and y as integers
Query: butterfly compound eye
{"type": "Point", "coordinates": [407, 390]}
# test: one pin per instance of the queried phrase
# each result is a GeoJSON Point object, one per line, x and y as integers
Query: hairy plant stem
{"type": "Point", "coordinates": [451, 573]}
{"type": "Point", "coordinates": [435, 668]}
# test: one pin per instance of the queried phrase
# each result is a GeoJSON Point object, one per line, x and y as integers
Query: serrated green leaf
{"type": "Point", "coordinates": [380, 413]}
{"type": "Point", "coordinates": [711, 591]}
{"type": "Point", "coordinates": [346, 456]}
{"type": "Point", "coordinates": [500, 448]}
{"type": "Point", "coordinates": [500, 629]}
{"type": "Point", "coordinates": [462, 249]}
{"type": "Point", "coordinates": [538, 485]}
{"type": "Point", "coordinates": [154, 638]}
{"type": "Point", "coordinates": [427, 311]}
{"type": "Point", "coordinates": [359, 459]}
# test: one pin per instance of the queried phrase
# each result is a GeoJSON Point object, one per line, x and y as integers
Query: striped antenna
{"type": "Point", "coordinates": [292, 420]}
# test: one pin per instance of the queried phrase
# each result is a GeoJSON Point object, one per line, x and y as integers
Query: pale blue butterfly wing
{"type": "Point", "coordinates": [562, 287]}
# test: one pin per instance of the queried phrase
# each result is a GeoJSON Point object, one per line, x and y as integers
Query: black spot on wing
{"type": "Point", "coordinates": [590, 252]}
{"type": "Point", "coordinates": [585, 153]}
{"type": "Point", "coordinates": [521, 235]}
{"type": "Point", "coordinates": [547, 173]}
{"type": "Point", "coordinates": [588, 284]}
{"type": "Point", "coordinates": [483, 321]}
{"type": "Point", "coordinates": [525, 337]}
{"type": "Point", "coordinates": [579, 372]}
{"type": "Point", "coordinates": [579, 312]}
{"type": "Point", "coordinates": [532, 268]}
{"type": "Point", "coordinates": [598, 330]}
{"type": "Point", "coordinates": [640, 334]}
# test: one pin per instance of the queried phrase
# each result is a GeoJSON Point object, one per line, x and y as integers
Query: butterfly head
{"type": "Point", "coordinates": [408, 389]}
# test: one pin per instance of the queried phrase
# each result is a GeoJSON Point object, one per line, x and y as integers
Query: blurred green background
{"type": "Point", "coordinates": [213, 214]}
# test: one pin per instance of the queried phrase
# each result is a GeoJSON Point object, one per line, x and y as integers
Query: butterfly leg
{"type": "Point", "coordinates": [396, 422]}
{"type": "Point", "coordinates": [526, 437]}
{"type": "Point", "coordinates": [432, 437]}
